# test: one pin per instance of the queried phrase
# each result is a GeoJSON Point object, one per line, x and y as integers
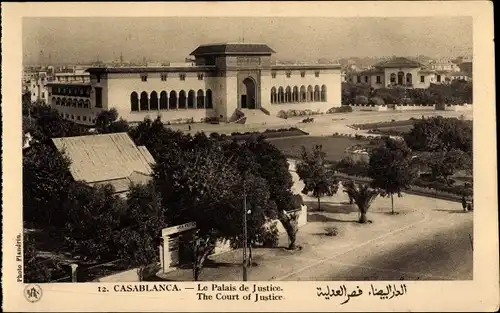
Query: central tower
{"type": "Point", "coordinates": [238, 73]}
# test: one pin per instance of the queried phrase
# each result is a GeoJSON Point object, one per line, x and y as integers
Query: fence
{"type": "Point", "coordinates": [85, 273]}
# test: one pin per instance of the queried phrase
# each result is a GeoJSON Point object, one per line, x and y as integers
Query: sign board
{"type": "Point", "coordinates": [176, 229]}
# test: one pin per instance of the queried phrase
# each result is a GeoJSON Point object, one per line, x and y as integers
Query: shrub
{"type": "Point", "coordinates": [361, 100]}
{"type": "Point", "coordinates": [331, 231]}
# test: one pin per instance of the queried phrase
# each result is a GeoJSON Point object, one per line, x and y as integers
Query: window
{"type": "Point", "coordinates": [43, 95]}
{"type": "Point", "coordinates": [98, 97]}
{"type": "Point", "coordinates": [288, 74]}
{"type": "Point", "coordinates": [164, 77]}
{"type": "Point", "coordinates": [438, 78]}
{"type": "Point", "coordinates": [366, 79]}
{"type": "Point", "coordinates": [273, 74]}
{"type": "Point", "coordinates": [98, 77]}
{"type": "Point", "coordinates": [50, 93]}
{"type": "Point", "coordinates": [144, 77]}
{"type": "Point", "coordinates": [302, 74]}
{"type": "Point", "coordinates": [182, 76]}
{"type": "Point", "coordinates": [84, 118]}
{"type": "Point", "coordinates": [78, 117]}
{"type": "Point", "coordinates": [67, 115]}
{"type": "Point", "coordinates": [72, 117]}
{"type": "Point", "coordinates": [316, 73]}
{"type": "Point", "coordinates": [379, 81]}
{"type": "Point", "coordinates": [200, 76]}
{"type": "Point", "coordinates": [358, 79]}
{"type": "Point", "coordinates": [422, 79]}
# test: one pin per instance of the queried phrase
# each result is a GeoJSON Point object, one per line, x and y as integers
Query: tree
{"type": "Point", "coordinates": [93, 222]}
{"type": "Point", "coordinates": [261, 158]}
{"type": "Point", "coordinates": [444, 164]}
{"type": "Point", "coordinates": [35, 269]}
{"type": "Point", "coordinates": [391, 168]}
{"type": "Point", "coordinates": [53, 125]}
{"type": "Point", "coordinates": [438, 134]}
{"type": "Point", "coordinates": [363, 195]}
{"type": "Point", "coordinates": [107, 122]}
{"type": "Point", "coordinates": [141, 225]}
{"type": "Point", "coordinates": [202, 246]}
{"type": "Point", "coordinates": [46, 178]}
{"type": "Point", "coordinates": [317, 177]}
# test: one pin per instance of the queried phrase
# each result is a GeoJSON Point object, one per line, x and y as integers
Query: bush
{"type": "Point", "coordinates": [376, 101]}
{"type": "Point", "coordinates": [341, 109]}
{"type": "Point", "coordinates": [361, 100]}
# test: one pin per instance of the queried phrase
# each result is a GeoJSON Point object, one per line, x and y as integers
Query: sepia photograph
{"type": "Point", "coordinates": [161, 150]}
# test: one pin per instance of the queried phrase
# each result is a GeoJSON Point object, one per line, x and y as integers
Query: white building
{"type": "Point", "coordinates": [399, 72]}
{"type": "Point", "coordinates": [225, 78]}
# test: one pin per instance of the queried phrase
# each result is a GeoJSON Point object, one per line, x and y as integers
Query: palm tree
{"type": "Point", "coordinates": [363, 196]}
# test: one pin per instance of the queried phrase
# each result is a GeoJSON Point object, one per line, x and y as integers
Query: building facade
{"type": "Point", "coordinates": [399, 72]}
{"type": "Point", "coordinates": [224, 78]}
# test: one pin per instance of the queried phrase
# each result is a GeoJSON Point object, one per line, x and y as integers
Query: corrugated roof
{"type": "Point", "coordinates": [398, 62]}
{"type": "Point", "coordinates": [106, 157]}
{"type": "Point", "coordinates": [233, 48]}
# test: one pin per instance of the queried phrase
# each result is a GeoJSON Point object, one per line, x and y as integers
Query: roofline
{"type": "Point", "coordinates": [143, 69]}
{"type": "Point", "coordinates": [68, 84]}
{"type": "Point", "coordinates": [232, 53]}
{"type": "Point", "coordinates": [306, 67]}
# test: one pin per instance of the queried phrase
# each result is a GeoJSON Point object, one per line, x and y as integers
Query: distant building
{"type": "Point", "coordinates": [399, 72]}
{"type": "Point", "coordinates": [107, 159]}
{"type": "Point", "coordinates": [443, 65]}
{"type": "Point", "coordinates": [224, 78]}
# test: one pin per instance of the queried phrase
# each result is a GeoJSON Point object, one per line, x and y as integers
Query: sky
{"type": "Point", "coordinates": [171, 39]}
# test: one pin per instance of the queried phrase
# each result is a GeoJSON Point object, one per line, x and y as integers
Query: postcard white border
{"type": "Point", "coordinates": [481, 294]}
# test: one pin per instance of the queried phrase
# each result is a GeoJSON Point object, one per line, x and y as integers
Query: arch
{"type": "Point", "coordinates": [144, 101]}
{"type": "Point", "coordinates": [303, 95]}
{"type": "Point", "coordinates": [200, 99]}
{"type": "Point", "coordinates": [401, 77]}
{"type": "Point", "coordinates": [54, 101]}
{"type": "Point", "coordinates": [393, 78]}
{"type": "Point", "coordinates": [310, 93]}
{"type": "Point", "coordinates": [58, 101]}
{"type": "Point", "coordinates": [288, 94]}
{"type": "Point", "coordinates": [163, 100]}
{"type": "Point", "coordinates": [182, 99]}
{"type": "Point", "coordinates": [153, 101]}
{"type": "Point", "coordinates": [172, 100]}
{"type": "Point", "coordinates": [191, 99]}
{"type": "Point", "coordinates": [87, 104]}
{"type": "Point", "coordinates": [80, 103]}
{"type": "Point", "coordinates": [323, 93]}
{"type": "Point", "coordinates": [248, 98]}
{"type": "Point", "coordinates": [273, 95]}
{"type": "Point", "coordinates": [316, 94]}
{"type": "Point", "coordinates": [281, 95]}
{"type": "Point", "coordinates": [409, 79]}
{"type": "Point", "coordinates": [208, 99]}
{"type": "Point", "coordinates": [295, 94]}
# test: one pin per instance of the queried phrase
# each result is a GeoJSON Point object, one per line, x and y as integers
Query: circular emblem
{"type": "Point", "coordinates": [33, 293]}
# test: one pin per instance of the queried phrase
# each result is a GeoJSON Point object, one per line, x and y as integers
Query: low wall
{"type": "Point", "coordinates": [359, 107]}
{"type": "Point", "coordinates": [399, 107]}
{"type": "Point", "coordinates": [313, 106]}
{"type": "Point", "coordinates": [172, 116]}
{"type": "Point", "coordinates": [458, 108]}
{"type": "Point", "coordinates": [126, 276]}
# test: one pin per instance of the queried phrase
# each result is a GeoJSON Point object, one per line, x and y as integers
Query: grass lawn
{"type": "Point", "coordinates": [396, 125]}
{"type": "Point", "coordinates": [399, 128]}
{"type": "Point", "coordinates": [333, 146]}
